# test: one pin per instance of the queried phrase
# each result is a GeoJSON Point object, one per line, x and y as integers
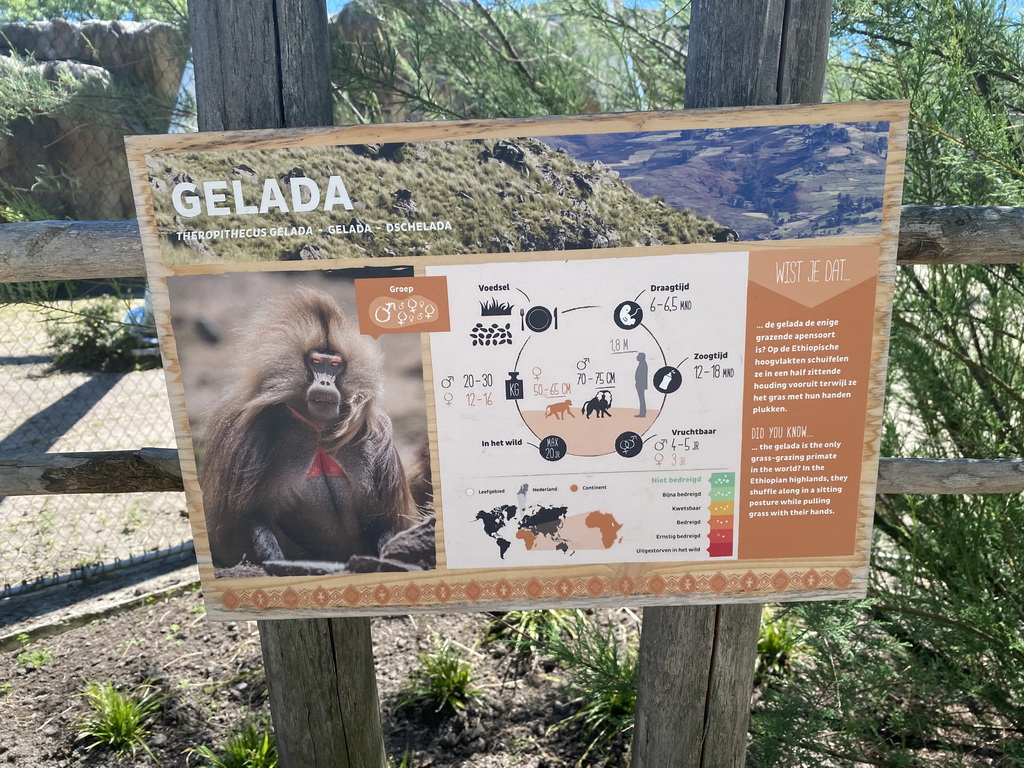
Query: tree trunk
{"type": "Point", "coordinates": [697, 662]}
{"type": "Point", "coordinates": [264, 64]}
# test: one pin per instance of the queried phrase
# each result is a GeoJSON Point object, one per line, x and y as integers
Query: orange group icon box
{"type": "Point", "coordinates": [402, 305]}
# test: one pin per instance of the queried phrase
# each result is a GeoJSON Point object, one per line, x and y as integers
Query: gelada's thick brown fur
{"type": "Point", "coordinates": [266, 494]}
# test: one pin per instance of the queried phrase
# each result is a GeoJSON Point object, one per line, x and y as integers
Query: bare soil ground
{"type": "Point", "coordinates": [212, 677]}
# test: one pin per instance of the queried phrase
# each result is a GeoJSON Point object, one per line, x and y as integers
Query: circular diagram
{"type": "Point", "coordinates": [587, 379]}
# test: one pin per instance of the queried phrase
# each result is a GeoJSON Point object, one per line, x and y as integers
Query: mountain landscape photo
{"type": "Point", "coordinates": [762, 182]}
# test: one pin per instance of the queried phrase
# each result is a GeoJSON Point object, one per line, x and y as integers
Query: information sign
{"type": "Point", "coordinates": [534, 363]}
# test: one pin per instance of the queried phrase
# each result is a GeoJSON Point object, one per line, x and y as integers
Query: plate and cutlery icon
{"type": "Point", "coordinates": [538, 319]}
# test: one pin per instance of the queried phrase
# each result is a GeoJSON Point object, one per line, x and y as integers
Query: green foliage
{"type": "Point", "coordinates": [947, 571]}
{"type": "Point", "coordinates": [119, 720]}
{"type": "Point", "coordinates": [17, 205]}
{"type": "Point", "coordinates": [251, 746]}
{"type": "Point", "coordinates": [33, 658]}
{"type": "Point", "coordinates": [830, 708]}
{"type": "Point", "coordinates": [29, 95]}
{"type": "Point", "coordinates": [27, 92]}
{"type": "Point", "coordinates": [961, 64]}
{"type": "Point", "coordinates": [931, 669]}
{"type": "Point", "coordinates": [443, 683]}
{"type": "Point", "coordinates": [171, 11]}
{"type": "Point", "coordinates": [527, 632]}
{"type": "Point", "coordinates": [93, 337]}
{"type": "Point", "coordinates": [601, 661]}
{"type": "Point", "coordinates": [401, 60]}
{"type": "Point", "coordinates": [779, 644]}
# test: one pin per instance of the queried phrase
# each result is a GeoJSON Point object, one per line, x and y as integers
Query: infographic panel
{"type": "Point", "coordinates": [590, 411]}
{"type": "Point", "coordinates": [491, 365]}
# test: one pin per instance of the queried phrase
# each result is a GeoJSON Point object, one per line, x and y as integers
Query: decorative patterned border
{"type": "Point", "coordinates": [441, 593]}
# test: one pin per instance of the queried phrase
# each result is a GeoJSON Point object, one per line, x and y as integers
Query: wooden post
{"type": "Point", "coordinates": [697, 662]}
{"type": "Point", "coordinates": [264, 64]}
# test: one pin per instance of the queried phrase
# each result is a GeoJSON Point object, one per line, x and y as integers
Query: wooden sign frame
{"type": "Point", "coordinates": [763, 353]}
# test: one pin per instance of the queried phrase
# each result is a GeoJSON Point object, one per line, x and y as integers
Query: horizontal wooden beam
{"type": "Point", "coordinates": [950, 476]}
{"type": "Point", "coordinates": [961, 234]}
{"type": "Point", "coordinates": [147, 469]}
{"type": "Point", "coordinates": [84, 250]}
{"type": "Point", "coordinates": [156, 469]}
{"type": "Point", "coordinates": [70, 250]}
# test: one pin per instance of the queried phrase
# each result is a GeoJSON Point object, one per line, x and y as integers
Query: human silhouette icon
{"type": "Point", "coordinates": [641, 383]}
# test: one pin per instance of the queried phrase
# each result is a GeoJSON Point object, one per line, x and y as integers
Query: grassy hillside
{"type": "Point", "coordinates": [499, 196]}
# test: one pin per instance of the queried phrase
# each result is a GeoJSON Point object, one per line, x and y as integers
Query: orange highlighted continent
{"type": "Point", "coordinates": [527, 537]}
{"type": "Point", "coordinates": [608, 526]}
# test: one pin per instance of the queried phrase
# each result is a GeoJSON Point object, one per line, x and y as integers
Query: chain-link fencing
{"type": "Point", "coordinates": [72, 91]}
{"type": "Point", "coordinates": [70, 377]}
{"type": "Point", "coordinates": [50, 410]}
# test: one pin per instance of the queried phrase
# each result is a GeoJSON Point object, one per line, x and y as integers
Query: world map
{"type": "Point", "coordinates": [548, 528]}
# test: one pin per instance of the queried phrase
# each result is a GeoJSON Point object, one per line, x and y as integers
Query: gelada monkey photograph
{"type": "Point", "coordinates": [310, 437]}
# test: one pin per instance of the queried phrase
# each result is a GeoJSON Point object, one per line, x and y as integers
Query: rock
{"type": "Point", "coordinates": [510, 153]}
{"type": "Point", "coordinates": [366, 150]}
{"type": "Point", "coordinates": [303, 567]}
{"type": "Point", "coordinates": [414, 546]}
{"type": "Point", "coordinates": [294, 173]}
{"type": "Point", "coordinates": [449, 740]}
{"type": "Point", "coordinates": [551, 177]}
{"type": "Point", "coordinates": [581, 183]}
{"type": "Point", "coordinates": [393, 151]}
{"type": "Point", "coordinates": [307, 252]}
{"type": "Point", "coordinates": [594, 239]}
{"type": "Point", "coordinates": [106, 56]}
{"type": "Point", "coordinates": [369, 564]}
{"type": "Point", "coordinates": [204, 252]}
{"type": "Point", "coordinates": [358, 226]}
{"type": "Point", "coordinates": [247, 173]}
{"type": "Point", "coordinates": [403, 202]}
{"type": "Point", "coordinates": [557, 237]}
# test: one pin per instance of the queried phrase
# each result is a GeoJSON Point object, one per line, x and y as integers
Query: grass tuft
{"type": "Point", "coordinates": [779, 641]}
{"type": "Point", "coordinates": [528, 632]}
{"type": "Point", "coordinates": [251, 746]}
{"type": "Point", "coordinates": [443, 682]}
{"type": "Point", "coordinates": [120, 720]}
{"type": "Point", "coordinates": [601, 663]}
{"type": "Point", "coordinates": [33, 658]}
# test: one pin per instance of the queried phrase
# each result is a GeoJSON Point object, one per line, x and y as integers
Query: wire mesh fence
{"type": "Point", "coordinates": [73, 91]}
{"type": "Point", "coordinates": [69, 367]}
{"type": "Point", "coordinates": [50, 410]}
